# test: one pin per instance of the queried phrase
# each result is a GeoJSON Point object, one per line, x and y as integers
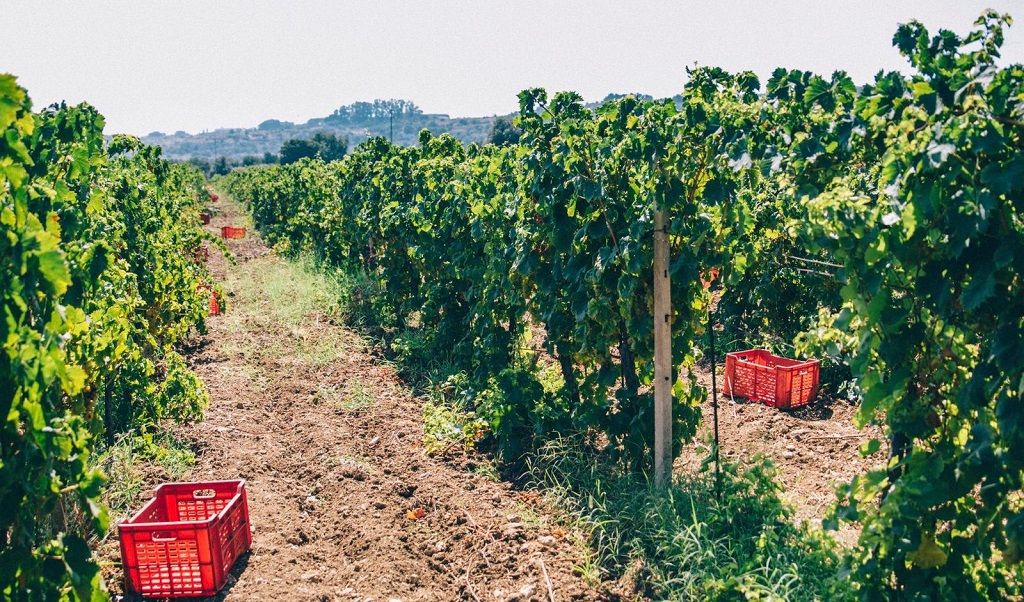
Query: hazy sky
{"type": "Point", "coordinates": [190, 65]}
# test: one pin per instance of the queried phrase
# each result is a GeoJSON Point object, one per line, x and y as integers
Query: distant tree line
{"type": "Point", "coordinates": [223, 165]}
{"type": "Point", "coordinates": [331, 147]}
{"type": "Point", "coordinates": [326, 146]}
{"type": "Point", "coordinates": [369, 111]}
{"type": "Point", "coordinates": [637, 95]}
{"type": "Point", "coordinates": [274, 124]}
{"type": "Point", "coordinates": [503, 133]}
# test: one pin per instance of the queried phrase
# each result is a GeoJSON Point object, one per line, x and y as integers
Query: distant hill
{"type": "Point", "coordinates": [400, 119]}
{"type": "Point", "coordinates": [357, 122]}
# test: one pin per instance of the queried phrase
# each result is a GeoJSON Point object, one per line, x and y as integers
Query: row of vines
{"type": "Point", "coordinates": [879, 227]}
{"type": "Point", "coordinates": [98, 285]}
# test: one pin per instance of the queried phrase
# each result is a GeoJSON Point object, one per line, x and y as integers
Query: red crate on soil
{"type": "Point", "coordinates": [204, 217]}
{"type": "Point", "coordinates": [185, 540]}
{"type": "Point", "coordinates": [777, 381]}
{"type": "Point", "coordinates": [232, 232]}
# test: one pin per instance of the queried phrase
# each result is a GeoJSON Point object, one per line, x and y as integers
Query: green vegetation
{"type": "Point", "coordinates": [932, 249]}
{"type": "Point", "coordinates": [98, 286]}
{"type": "Point", "coordinates": [327, 147]}
{"type": "Point", "coordinates": [378, 110]}
{"type": "Point", "coordinates": [290, 297]}
{"type": "Point", "coordinates": [447, 418]}
{"type": "Point", "coordinates": [503, 132]}
{"type": "Point", "coordinates": [122, 464]}
{"type": "Point", "coordinates": [293, 291]}
{"type": "Point", "coordinates": [692, 541]}
{"type": "Point", "coordinates": [222, 165]}
{"type": "Point", "coordinates": [878, 228]}
{"type": "Point", "coordinates": [356, 399]}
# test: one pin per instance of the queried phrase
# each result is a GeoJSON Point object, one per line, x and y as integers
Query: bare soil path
{"type": "Point", "coordinates": [344, 502]}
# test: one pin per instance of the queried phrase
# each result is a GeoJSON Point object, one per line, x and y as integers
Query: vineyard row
{"type": "Point", "coordinates": [99, 281]}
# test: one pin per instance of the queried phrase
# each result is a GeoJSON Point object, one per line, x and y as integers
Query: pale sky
{"type": "Point", "coordinates": [194, 66]}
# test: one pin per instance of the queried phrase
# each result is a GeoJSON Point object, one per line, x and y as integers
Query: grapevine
{"type": "Point", "coordinates": [97, 289]}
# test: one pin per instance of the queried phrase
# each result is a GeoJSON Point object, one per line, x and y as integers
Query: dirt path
{"type": "Point", "coordinates": [330, 444]}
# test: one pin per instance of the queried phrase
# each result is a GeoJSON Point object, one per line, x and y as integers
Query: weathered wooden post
{"type": "Point", "coordinates": [662, 354]}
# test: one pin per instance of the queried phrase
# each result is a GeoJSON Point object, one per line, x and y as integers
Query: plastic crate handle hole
{"type": "Point", "coordinates": [160, 537]}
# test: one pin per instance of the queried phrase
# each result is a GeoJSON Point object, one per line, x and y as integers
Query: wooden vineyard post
{"type": "Point", "coordinates": [662, 355]}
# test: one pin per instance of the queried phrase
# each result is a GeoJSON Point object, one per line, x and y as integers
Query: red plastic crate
{"type": "Point", "coordinates": [232, 232]}
{"type": "Point", "coordinates": [215, 305]}
{"type": "Point", "coordinates": [185, 540]}
{"type": "Point", "coordinates": [777, 381]}
{"type": "Point", "coordinates": [204, 217]}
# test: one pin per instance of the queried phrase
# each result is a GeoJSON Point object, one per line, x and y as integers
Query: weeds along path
{"type": "Point", "coordinates": [813, 448]}
{"type": "Point", "coordinates": [345, 504]}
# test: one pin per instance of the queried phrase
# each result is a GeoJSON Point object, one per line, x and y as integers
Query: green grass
{"type": "Point", "coordinates": [125, 476]}
{"type": "Point", "coordinates": [447, 417]}
{"type": "Point", "coordinates": [357, 398]}
{"type": "Point", "coordinates": [689, 542]}
{"type": "Point", "coordinates": [286, 292]}
{"type": "Point", "coordinates": [488, 471]}
{"type": "Point", "coordinates": [172, 454]}
{"type": "Point", "coordinates": [124, 464]}
{"type": "Point", "coordinates": [291, 297]}
{"type": "Point", "coordinates": [297, 291]}
{"type": "Point", "coordinates": [354, 398]}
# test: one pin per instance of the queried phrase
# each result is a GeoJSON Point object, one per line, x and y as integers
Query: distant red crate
{"type": "Point", "coordinates": [215, 305]}
{"type": "Point", "coordinates": [185, 540]}
{"type": "Point", "coordinates": [777, 381]}
{"type": "Point", "coordinates": [232, 232]}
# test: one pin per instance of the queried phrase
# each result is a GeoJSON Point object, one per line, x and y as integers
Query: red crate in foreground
{"type": "Point", "coordinates": [185, 540]}
{"type": "Point", "coordinates": [777, 381]}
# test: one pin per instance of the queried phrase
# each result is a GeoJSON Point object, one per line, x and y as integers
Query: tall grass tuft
{"type": "Point", "coordinates": [692, 541]}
